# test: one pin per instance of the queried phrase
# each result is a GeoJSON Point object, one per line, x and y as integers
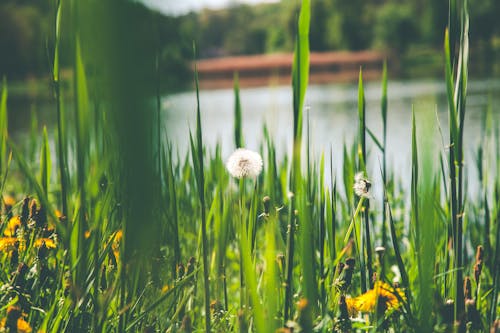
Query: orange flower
{"type": "Point", "coordinates": [12, 226]}
{"type": "Point", "coordinates": [382, 297]}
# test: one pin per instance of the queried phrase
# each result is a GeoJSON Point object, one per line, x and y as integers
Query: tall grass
{"type": "Point", "coordinates": [142, 221]}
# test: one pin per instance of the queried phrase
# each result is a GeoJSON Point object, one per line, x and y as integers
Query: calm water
{"type": "Point", "coordinates": [333, 116]}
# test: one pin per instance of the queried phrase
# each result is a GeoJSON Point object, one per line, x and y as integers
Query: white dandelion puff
{"type": "Point", "coordinates": [362, 185]}
{"type": "Point", "coordinates": [244, 163]}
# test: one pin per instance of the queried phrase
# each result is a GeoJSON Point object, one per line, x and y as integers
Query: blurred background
{"type": "Point", "coordinates": [256, 39]}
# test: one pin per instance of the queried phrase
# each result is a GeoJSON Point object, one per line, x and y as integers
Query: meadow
{"type": "Point", "coordinates": [119, 231]}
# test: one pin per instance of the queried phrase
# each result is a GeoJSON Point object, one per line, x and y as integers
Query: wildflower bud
{"type": "Point", "coordinates": [467, 288]}
{"type": "Point", "coordinates": [305, 316]}
{"type": "Point", "coordinates": [25, 212]}
{"type": "Point", "coordinates": [41, 218]}
{"type": "Point", "coordinates": [267, 204]}
{"type": "Point", "coordinates": [191, 265]}
{"type": "Point", "coordinates": [478, 266]}
{"type": "Point", "coordinates": [186, 326]}
{"type": "Point", "coordinates": [180, 271]}
{"type": "Point", "coordinates": [33, 210]}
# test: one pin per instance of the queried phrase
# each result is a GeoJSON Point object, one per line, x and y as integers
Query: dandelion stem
{"type": "Point", "coordinates": [351, 225]}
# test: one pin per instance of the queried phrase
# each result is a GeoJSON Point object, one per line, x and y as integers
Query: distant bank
{"type": "Point", "coordinates": [275, 69]}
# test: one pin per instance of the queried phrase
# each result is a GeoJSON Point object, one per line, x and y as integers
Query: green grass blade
{"type": "Point", "coordinates": [3, 125]}
{"type": "Point", "coordinates": [238, 135]}
{"type": "Point", "coordinates": [45, 163]}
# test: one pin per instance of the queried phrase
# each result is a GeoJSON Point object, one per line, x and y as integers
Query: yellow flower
{"type": "Point", "coordinates": [8, 244]}
{"type": "Point", "coordinates": [23, 326]}
{"type": "Point", "coordinates": [116, 238]}
{"type": "Point", "coordinates": [49, 243]}
{"type": "Point", "coordinates": [382, 297]}
{"type": "Point", "coordinates": [12, 226]}
{"type": "Point", "coordinates": [9, 200]}
{"type": "Point", "coordinates": [14, 318]}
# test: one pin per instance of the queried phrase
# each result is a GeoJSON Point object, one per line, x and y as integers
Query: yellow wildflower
{"type": "Point", "coordinates": [382, 297]}
{"type": "Point", "coordinates": [165, 288]}
{"type": "Point", "coordinates": [12, 226]}
{"type": "Point", "coordinates": [14, 318]}
{"type": "Point", "coordinates": [9, 200]}
{"type": "Point", "coordinates": [8, 244]}
{"type": "Point", "coordinates": [49, 243]}
{"type": "Point", "coordinates": [23, 326]}
{"type": "Point", "coordinates": [116, 244]}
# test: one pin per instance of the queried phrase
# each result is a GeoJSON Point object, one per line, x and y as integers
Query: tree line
{"type": "Point", "coordinates": [397, 27]}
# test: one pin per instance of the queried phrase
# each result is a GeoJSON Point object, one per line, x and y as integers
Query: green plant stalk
{"type": "Point", "coordinates": [353, 220]}
{"type": "Point", "coordinates": [333, 209]}
{"type": "Point", "coordinates": [238, 135]}
{"type": "Point", "coordinates": [3, 125]}
{"type": "Point", "coordinates": [45, 163]}
{"type": "Point", "coordinates": [81, 108]}
{"type": "Point", "coordinates": [241, 204]}
{"type": "Point", "coordinates": [290, 249]}
{"type": "Point", "coordinates": [61, 137]}
{"type": "Point", "coordinates": [198, 155]}
{"type": "Point", "coordinates": [366, 247]}
{"type": "Point", "coordinates": [322, 235]}
{"type": "Point", "coordinates": [496, 264]}
{"type": "Point", "coordinates": [300, 75]}
{"type": "Point", "coordinates": [174, 208]}
{"type": "Point", "coordinates": [384, 159]}
{"type": "Point", "coordinates": [271, 282]}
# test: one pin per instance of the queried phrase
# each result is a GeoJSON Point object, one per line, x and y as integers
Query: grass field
{"type": "Point", "coordinates": [119, 232]}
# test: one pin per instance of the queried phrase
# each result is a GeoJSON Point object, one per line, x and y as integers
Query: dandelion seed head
{"type": "Point", "coordinates": [244, 163]}
{"type": "Point", "coordinates": [362, 185]}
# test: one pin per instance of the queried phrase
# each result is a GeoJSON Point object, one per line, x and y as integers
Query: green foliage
{"type": "Point", "coordinates": [395, 27]}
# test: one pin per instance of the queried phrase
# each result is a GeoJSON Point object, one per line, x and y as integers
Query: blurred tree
{"type": "Point", "coordinates": [317, 33]}
{"type": "Point", "coordinates": [22, 32]}
{"type": "Point", "coordinates": [395, 27]}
